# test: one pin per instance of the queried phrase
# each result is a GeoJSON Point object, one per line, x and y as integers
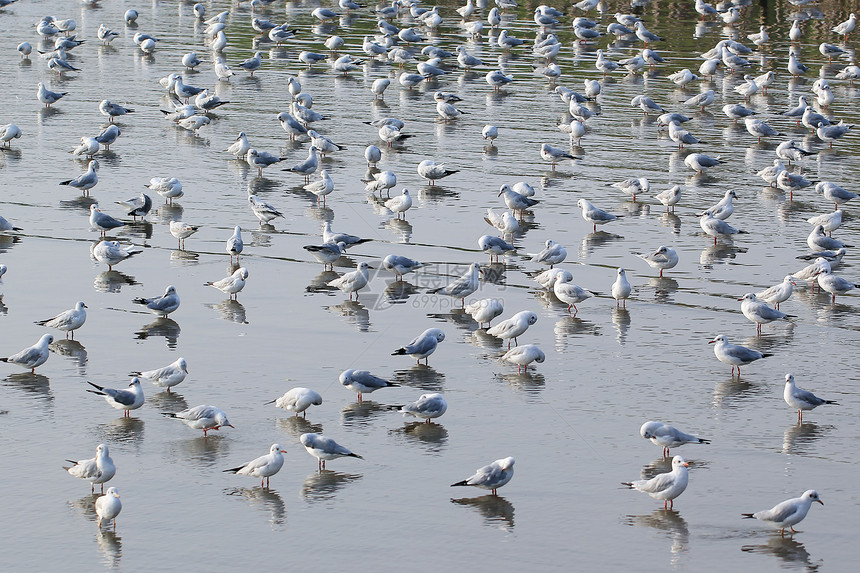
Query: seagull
{"type": "Point", "coordinates": [699, 162]}
{"type": "Point", "coordinates": [307, 167]}
{"type": "Point", "coordinates": [202, 417]}
{"type": "Point", "coordinates": [68, 321]}
{"type": "Point", "coordinates": [168, 376]}
{"type": "Point", "coordinates": [89, 146]}
{"type": "Point", "coordinates": [716, 227]}
{"type": "Point", "coordinates": [594, 215]}
{"type": "Point", "coordinates": [235, 245]}
{"type": "Point", "coordinates": [324, 448]}
{"type": "Point", "coordinates": [330, 236]}
{"type": "Point", "coordinates": [758, 311]}
{"type": "Point", "coordinates": [363, 382]}
{"type": "Point", "coordinates": [833, 284]}
{"type": "Point", "coordinates": [702, 100]}
{"type": "Point", "coordinates": [102, 221]}
{"type": "Point", "coordinates": [736, 111]}
{"type": "Point", "coordinates": [788, 513]}
{"type": "Point", "coordinates": [168, 187]}
{"type": "Point", "coordinates": [112, 110]}
{"type": "Point", "coordinates": [86, 180]}
{"type": "Point", "coordinates": [427, 407]}
{"type": "Point", "coordinates": [495, 246]}
{"type": "Point", "coordinates": [108, 507]}
{"type": "Point", "coordinates": [666, 436]}
{"type": "Point", "coordinates": [298, 400]}
{"type": "Point", "coordinates": [569, 293]}
{"type": "Point", "coordinates": [9, 132]}
{"type": "Point", "coordinates": [512, 328]}
{"type": "Point", "coordinates": [253, 63]}
{"type": "Point", "coordinates": [327, 253]}
{"type": "Point", "coordinates": [263, 210]}
{"type": "Point", "coordinates": [830, 133]}
{"type": "Point", "coordinates": [48, 97]}
{"type": "Point", "coordinates": [126, 400]}
{"type": "Point", "coordinates": [552, 254]}
{"type": "Point", "coordinates": [634, 186]}
{"type": "Point", "coordinates": [845, 28]}
{"type": "Point", "coordinates": [182, 230]}
{"type": "Point", "coordinates": [666, 486]}
{"type": "Point", "coordinates": [735, 354]}
{"type": "Point", "coordinates": [758, 128]}
{"type": "Point", "coordinates": [231, 285]}
{"type": "Point", "coordinates": [33, 356]}
{"type": "Point", "coordinates": [819, 241]}
{"type": "Point", "coordinates": [621, 288]}
{"type": "Point", "coordinates": [506, 223]}
{"type": "Point", "coordinates": [516, 201]}
{"type": "Point", "coordinates": [778, 293]}
{"type": "Point", "coordinates": [263, 467]}
{"type": "Point", "coordinates": [400, 265]}
{"type": "Point", "coordinates": [353, 281]}
{"type": "Point", "coordinates": [834, 193]}
{"type": "Point", "coordinates": [261, 159]}
{"type": "Point", "coordinates": [97, 470]}
{"type": "Point", "coordinates": [492, 476]}
{"type": "Point", "coordinates": [433, 171]}
{"type": "Point", "coordinates": [670, 197]}
{"type": "Point", "coordinates": [801, 399]}
{"type": "Point", "coordinates": [463, 286]}
{"type": "Point", "coordinates": [663, 258]}
{"type": "Point", "coordinates": [485, 310]}
{"type": "Point", "coordinates": [161, 305]}
{"type": "Point", "coordinates": [524, 355]}
{"type": "Point", "coordinates": [112, 253]}
{"type": "Point", "coordinates": [108, 135]}
{"type": "Point", "coordinates": [422, 346]}
{"type": "Point", "coordinates": [789, 151]}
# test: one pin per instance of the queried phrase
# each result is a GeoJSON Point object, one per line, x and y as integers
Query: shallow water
{"type": "Point", "coordinates": [571, 423]}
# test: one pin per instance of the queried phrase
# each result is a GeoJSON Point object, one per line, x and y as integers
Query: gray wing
{"type": "Point", "coordinates": [367, 379]}
{"type": "Point", "coordinates": [123, 397]}
{"type": "Point", "coordinates": [421, 345]}
{"type": "Point", "coordinates": [656, 484]}
{"type": "Point", "coordinates": [26, 356]}
{"type": "Point", "coordinates": [780, 512]}
{"type": "Point", "coordinates": [808, 397]}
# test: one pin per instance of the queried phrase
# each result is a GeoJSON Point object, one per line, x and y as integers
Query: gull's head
{"type": "Point", "coordinates": [549, 243]}
{"type": "Point", "coordinates": [183, 365]}
{"type": "Point", "coordinates": [102, 449]}
{"type": "Point", "coordinates": [678, 461]}
{"type": "Point", "coordinates": [80, 305]}
{"type": "Point", "coordinates": [94, 165]}
{"type": "Point", "coordinates": [112, 491]}
{"type": "Point", "coordinates": [277, 449]}
{"type": "Point", "coordinates": [241, 272]}
{"type": "Point", "coordinates": [720, 338]}
{"type": "Point", "coordinates": [530, 317]}
{"type": "Point", "coordinates": [135, 383]}
{"type": "Point", "coordinates": [620, 272]}
{"type": "Point", "coordinates": [362, 266]}
{"type": "Point", "coordinates": [46, 339]}
{"type": "Point", "coordinates": [508, 463]}
{"type": "Point", "coordinates": [811, 494]}
{"type": "Point", "coordinates": [94, 207]}
{"type": "Point", "coordinates": [170, 290]}
{"type": "Point", "coordinates": [649, 428]}
{"type": "Point", "coordinates": [789, 379]}
{"type": "Point", "coordinates": [346, 377]}
{"type": "Point", "coordinates": [504, 189]}
{"type": "Point", "coordinates": [748, 296]}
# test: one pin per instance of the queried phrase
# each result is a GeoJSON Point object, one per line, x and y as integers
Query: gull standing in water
{"type": "Point", "coordinates": [108, 507]}
{"type": "Point", "coordinates": [352, 282]}
{"type": "Point", "coordinates": [569, 293]}
{"type": "Point", "coordinates": [485, 310]}
{"type": "Point", "coordinates": [400, 265]}
{"type": "Point", "coordinates": [427, 407]}
{"type": "Point", "coordinates": [463, 286]}
{"type": "Point", "coordinates": [166, 377]}
{"type": "Point", "coordinates": [235, 245]}
{"type": "Point", "coordinates": [67, 321]}
{"type": "Point", "coordinates": [715, 227]}
{"type": "Point", "coordinates": [801, 399]}
{"type": "Point", "coordinates": [263, 467]}
{"type": "Point", "coordinates": [125, 400]}
{"type": "Point", "coordinates": [422, 346]}
{"type": "Point", "coordinates": [666, 486]}
{"type": "Point", "coordinates": [492, 476]}
{"type": "Point", "coordinates": [263, 210]}
{"type": "Point", "coordinates": [324, 449]}
{"type": "Point", "coordinates": [788, 513]}
{"type": "Point", "coordinates": [666, 436]}
{"type": "Point", "coordinates": [86, 180]}
{"type": "Point", "coordinates": [112, 253]}
{"type": "Point", "coordinates": [298, 400]}
{"type": "Point", "coordinates": [758, 311]}
{"type": "Point", "coordinates": [103, 222]}
{"type": "Point", "coordinates": [202, 417]}
{"type": "Point", "coordinates": [735, 354]}
{"type": "Point", "coordinates": [551, 255]}
{"type": "Point", "coordinates": [778, 293]}
{"type": "Point", "coordinates": [621, 288]}
{"type": "Point", "coordinates": [663, 258]}
{"type": "Point", "coordinates": [33, 356]}
{"type": "Point", "coordinates": [594, 215]}
{"type": "Point", "coordinates": [233, 284]}
{"type": "Point", "coordinates": [161, 305]}
{"type": "Point", "coordinates": [97, 470]}
{"type": "Point", "coordinates": [363, 382]}
{"type": "Point", "coordinates": [513, 327]}
{"type": "Point", "coordinates": [670, 197]}
{"type": "Point", "coordinates": [182, 230]}
{"type": "Point", "coordinates": [834, 285]}
{"type": "Point", "coordinates": [524, 355]}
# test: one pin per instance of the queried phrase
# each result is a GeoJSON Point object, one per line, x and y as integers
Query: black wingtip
{"type": "Point", "coordinates": [704, 441]}
{"type": "Point", "coordinates": [355, 456]}
{"type": "Point", "coordinates": [233, 470]}
{"type": "Point", "coordinates": [766, 354]}
{"type": "Point", "coordinates": [94, 386]}
{"type": "Point", "coordinates": [398, 352]}
{"type": "Point", "coordinates": [459, 483]}
{"type": "Point", "coordinates": [747, 516]}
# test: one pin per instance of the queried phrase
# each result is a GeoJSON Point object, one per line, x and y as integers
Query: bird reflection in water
{"type": "Point", "coordinates": [494, 273]}
{"type": "Point", "coordinates": [110, 546]}
{"type": "Point", "coordinates": [360, 413]}
{"type": "Point", "coordinates": [621, 320]}
{"type": "Point", "coordinates": [86, 505]}
{"type": "Point", "coordinates": [593, 240]}
{"type": "Point", "coordinates": [324, 484]}
{"type": "Point", "coordinates": [71, 349]}
{"type": "Point", "coordinates": [433, 436]}
{"type": "Point", "coordinates": [81, 203]}
{"type": "Point", "coordinates": [8, 241]}
{"type": "Point", "coordinates": [112, 281]}
{"type": "Point", "coordinates": [569, 326]}
{"type": "Point", "coordinates": [168, 212]}
{"type": "Point", "coordinates": [184, 257]}
{"type": "Point", "coordinates": [671, 523]}
{"type": "Point", "coordinates": [664, 465]}
{"type": "Point", "coordinates": [320, 282]}
{"type": "Point", "coordinates": [458, 317]}
{"type": "Point", "coordinates": [481, 339]}
{"type": "Point", "coordinates": [400, 227]}
{"type": "Point", "coordinates": [719, 253]}
{"type": "Point", "coordinates": [264, 500]}
{"type": "Point", "coordinates": [731, 392]}
{"type": "Point", "coordinates": [664, 288]}
{"type": "Point", "coordinates": [166, 327]}
{"type": "Point", "coordinates": [672, 221]}
{"type": "Point", "coordinates": [529, 382]}
{"type": "Point", "coordinates": [167, 401]}
{"type": "Point", "coordinates": [398, 292]}
{"type": "Point", "coordinates": [141, 229]}
{"type": "Point", "coordinates": [230, 310]}
{"type": "Point", "coordinates": [800, 438]}
{"type": "Point", "coordinates": [297, 425]}
{"type": "Point", "coordinates": [31, 383]}
{"type": "Point", "coordinates": [203, 451]}
{"type": "Point", "coordinates": [785, 549]}
{"type": "Point", "coordinates": [496, 510]}
{"type": "Point", "coordinates": [354, 312]}
{"type": "Point", "coordinates": [420, 376]}
{"type": "Point", "coordinates": [127, 430]}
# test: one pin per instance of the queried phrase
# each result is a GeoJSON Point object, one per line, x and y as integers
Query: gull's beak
{"type": "Point", "coordinates": [232, 426]}
{"type": "Point", "coordinates": [283, 451]}
{"type": "Point", "coordinates": [685, 464]}
{"type": "Point", "coordinates": [85, 306]}
{"type": "Point", "coordinates": [740, 299]}
{"type": "Point", "coordinates": [819, 501]}
{"type": "Point", "coordinates": [711, 341]}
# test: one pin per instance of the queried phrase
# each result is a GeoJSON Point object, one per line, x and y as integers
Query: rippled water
{"type": "Point", "coordinates": [571, 423]}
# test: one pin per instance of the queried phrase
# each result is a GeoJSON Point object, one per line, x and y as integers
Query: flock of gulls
{"type": "Point", "coordinates": [408, 48]}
